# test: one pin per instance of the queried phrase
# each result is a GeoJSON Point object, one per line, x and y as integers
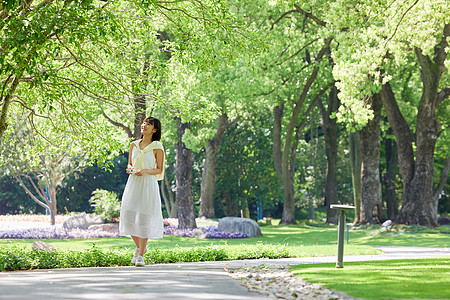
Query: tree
{"type": "Point", "coordinates": [81, 56]}
{"type": "Point", "coordinates": [390, 149]}
{"type": "Point", "coordinates": [377, 41]}
{"type": "Point", "coordinates": [185, 204]}
{"type": "Point", "coordinates": [209, 170]}
{"type": "Point", "coordinates": [329, 123]}
{"type": "Point", "coordinates": [40, 30]}
{"type": "Point", "coordinates": [226, 89]}
{"type": "Point", "coordinates": [355, 161]}
{"type": "Point", "coordinates": [245, 170]}
{"type": "Point", "coordinates": [291, 68]}
{"type": "Point", "coordinates": [370, 172]}
{"type": "Point", "coordinates": [40, 174]}
{"type": "Point", "coordinates": [418, 205]}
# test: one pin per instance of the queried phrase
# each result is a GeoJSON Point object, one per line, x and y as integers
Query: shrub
{"type": "Point", "coordinates": [19, 258]}
{"type": "Point", "coordinates": [106, 204]}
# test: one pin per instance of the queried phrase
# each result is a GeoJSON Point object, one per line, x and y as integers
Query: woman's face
{"type": "Point", "coordinates": [147, 128]}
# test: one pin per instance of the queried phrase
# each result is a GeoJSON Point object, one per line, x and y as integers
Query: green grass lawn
{"type": "Point", "coordinates": [298, 247]}
{"type": "Point", "coordinates": [426, 238]}
{"type": "Point", "coordinates": [393, 279]}
{"type": "Point", "coordinates": [302, 240]}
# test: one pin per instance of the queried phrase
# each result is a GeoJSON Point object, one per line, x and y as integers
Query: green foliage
{"type": "Point", "coordinates": [14, 200]}
{"type": "Point", "coordinates": [194, 254]}
{"type": "Point", "coordinates": [40, 167]}
{"type": "Point", "coordinates": [246, 169]}
{"type": "Point", "coordinates": [77, 188]}
{"type": "Point", "coordinates": [87, 60]}
{"type": "Point", "coordinates": [74, 193]}
{"type": "Point", "coordinates": [19, 258]}
{"type": "Point", "coordinates": [377, 43]}
{"type": "Point", "coordinates": [104, 57]}
{"type": "Point", "coordinates": [106, 204]}
{"type": "Point", "coordinates": [259, 251]}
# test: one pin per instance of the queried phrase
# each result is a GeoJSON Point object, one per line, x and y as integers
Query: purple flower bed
{"type": "Point", "coordinates": [444, 220]}
{"type": "Point", "coordinates": [208, 232]}
{"type": "Point", "coordinates": [54, 233]}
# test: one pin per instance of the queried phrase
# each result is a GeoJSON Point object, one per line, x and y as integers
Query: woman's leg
{"type": "Point", "coordinates": [142, 246]}
{"type": "Point", "coordinates": [136, 240]}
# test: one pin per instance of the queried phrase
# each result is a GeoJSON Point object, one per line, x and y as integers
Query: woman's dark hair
{"type": "Point", "coordinates": [157, 125]}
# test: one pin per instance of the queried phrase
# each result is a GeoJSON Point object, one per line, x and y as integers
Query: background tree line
{"type": "Point", "coordinates": [289, 104]}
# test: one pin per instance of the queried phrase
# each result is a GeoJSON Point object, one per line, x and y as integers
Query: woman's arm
{"type": "Point", "coordinates": [159, 155]}
{"type": "Point", "coordinates": [130, 163]}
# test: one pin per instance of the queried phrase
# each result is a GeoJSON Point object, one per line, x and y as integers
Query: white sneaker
{"type": "Point", "coordinates": [140, 261]}
{"type": "Point", "coordinates": [136, 253]}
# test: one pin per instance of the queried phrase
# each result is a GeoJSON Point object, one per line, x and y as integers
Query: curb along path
{"type": "Point", "coordinates": [204, 280]}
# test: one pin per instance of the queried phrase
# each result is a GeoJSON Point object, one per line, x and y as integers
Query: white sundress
{"type": "Point", "coordinates": [140, 213]}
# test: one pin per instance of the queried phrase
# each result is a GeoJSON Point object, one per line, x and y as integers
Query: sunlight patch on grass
{"type": "Point", "coordinates": [300, 239]}
{"type": "Point", "coordinates": [407, 279]}
{"type": "Point", "coordinates": [406, 239]}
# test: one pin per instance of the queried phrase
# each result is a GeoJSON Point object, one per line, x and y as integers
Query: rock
{"type": "Point", "coordinates": [199, 233]}
{"type": "Point", "coordinates": [242, 225]}
{"type": "Point", "coordinates": [83, 221]}
{"type": "Point", "coordinates": [108, 227]}
{"type": "Point", "coordinates": [386, 223]}
{"type": "Point", "coordinates": [42, 246]}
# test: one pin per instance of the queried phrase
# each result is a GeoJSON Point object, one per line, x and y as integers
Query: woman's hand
{"type": "Point", "coordinates": [129, 167]}
{"type": "Point", "coordinates": [139, 172]}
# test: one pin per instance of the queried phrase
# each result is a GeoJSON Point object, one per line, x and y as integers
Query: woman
{"type": "Point", "coordinates": [140, 213]}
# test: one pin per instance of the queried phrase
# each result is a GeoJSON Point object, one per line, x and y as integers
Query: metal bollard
{"type": "Point", "coordinates": [341, 232]}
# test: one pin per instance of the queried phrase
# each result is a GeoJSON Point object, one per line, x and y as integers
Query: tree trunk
{"type": "Point", "coordinates": [390, 147]}
{"type": "Point", "coordinates": [41, 198]}
{"type": "Point", "coordinates": [6, 101]}
{"type": "Point", "coordinates": [184, 201]}
{"type": "Point", "coordinates": [227, 205]}
{"type": "Point", "coordinates": [245, 212]}
{"type": "Point", "coordinates": [417, 206]}
{"type": "Point", "coordinates": [370, 157]}
{"type": "Point", "coordinates": [331, 148]}
{"type": "Point", "coordinates": [140, 103]}
{"type": "Point", "coordinates": [418, 202]}
{"type": "Point", "coordinates": [277, 117]}
{"type": "Point", "coordinates": [53, 209]}
{"type": "Point", "coordinates": [209, 180]}
{"type": "Point", "coordinates": [355, 159]}
{"type": "Point", "coordinates": [140, 107]}
{"type": "Point", "coordinates": [208, 185]}
{"type": "Point", "coordinates": [283, 172]}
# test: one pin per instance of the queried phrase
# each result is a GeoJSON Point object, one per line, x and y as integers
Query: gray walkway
{"type": "Point", "coordinates": [204, 280]}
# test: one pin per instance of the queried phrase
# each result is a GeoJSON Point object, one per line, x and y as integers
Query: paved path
{"type": "Point", "coordinates": [204, 280]}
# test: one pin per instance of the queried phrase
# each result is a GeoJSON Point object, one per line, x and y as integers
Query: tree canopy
{"type": "Point", "coordinates": [289, 77]}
